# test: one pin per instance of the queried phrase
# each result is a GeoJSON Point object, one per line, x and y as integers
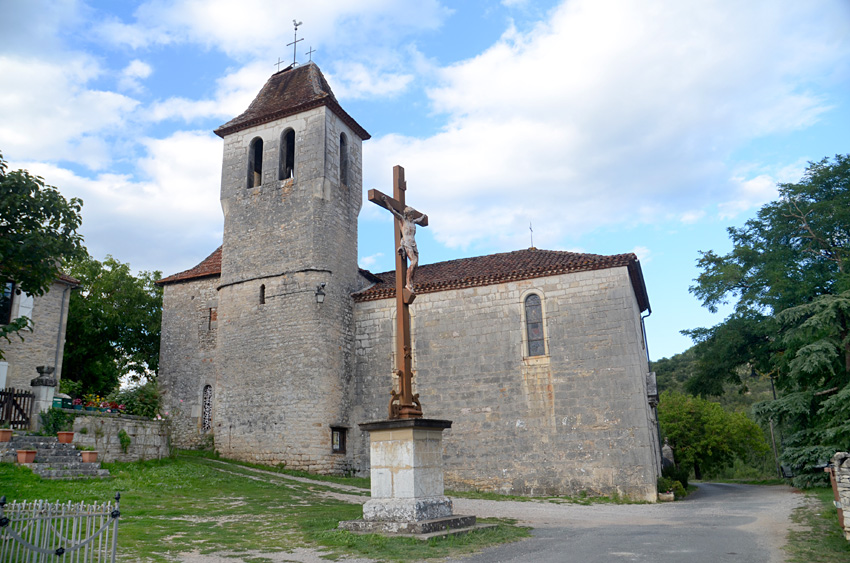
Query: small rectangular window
{"type": "Point", "coordinates": [338, 440]}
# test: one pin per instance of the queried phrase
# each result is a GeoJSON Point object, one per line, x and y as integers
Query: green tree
{"type": "Point", "coordinates": [703, 435]}
{"type": "Point", "coordinates": [815, 364]}
{"type": "Point", "coordinates": [113, 325]}
{"type": "Point", "coordinates": [789, 276]}
{"type": "Point", "coordinates": [38, 234]}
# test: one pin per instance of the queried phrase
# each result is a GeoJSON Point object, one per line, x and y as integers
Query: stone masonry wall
{"type": "Point", "coordinates": [285, 365]}
{"type": "Point", "coordinates": [39, 347]}
{"type": "Point", "coordinates": [576, 419]}
{"type": "Point", "coordinates": [187, 356]}
{"type": "Point", "coordinates": [148, 438]}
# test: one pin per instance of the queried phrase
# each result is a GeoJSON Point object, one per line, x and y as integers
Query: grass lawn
{"type": "Point", "coordinates": [186, 504]}
{"type": "Point", "coordinates": [820, 540]}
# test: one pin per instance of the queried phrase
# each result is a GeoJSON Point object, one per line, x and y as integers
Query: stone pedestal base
{"type": "Point", "coordinates": [407, 509]}
{"type": "Point", "coordinates": [406, 458]}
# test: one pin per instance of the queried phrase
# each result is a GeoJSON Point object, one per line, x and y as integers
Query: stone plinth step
{"type": "Point", "coordinates": [422, 529]}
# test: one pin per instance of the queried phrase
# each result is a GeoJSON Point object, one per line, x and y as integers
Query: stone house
{"type": "Point", "coordinates": [277, 345]}
{"type": "Point", "coordinates": [43, 346]}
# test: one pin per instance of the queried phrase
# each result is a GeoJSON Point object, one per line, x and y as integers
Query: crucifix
{"type": "Point", "coordinates": [403, 404]}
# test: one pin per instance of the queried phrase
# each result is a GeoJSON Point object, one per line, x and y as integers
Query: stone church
{"type": "Point", "coordinates": [277, 345]}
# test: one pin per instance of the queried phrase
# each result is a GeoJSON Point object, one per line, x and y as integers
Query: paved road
{"type": "Point", "coordinates": [718, 523]}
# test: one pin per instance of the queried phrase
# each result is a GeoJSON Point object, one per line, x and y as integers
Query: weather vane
{"type": "Point", "coordinates": [295, 40]}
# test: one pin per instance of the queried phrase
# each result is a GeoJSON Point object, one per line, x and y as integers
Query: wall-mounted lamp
{"type": "Point", "coordinates": [320, 293]}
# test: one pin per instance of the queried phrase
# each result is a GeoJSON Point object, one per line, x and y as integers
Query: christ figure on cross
{"type": "Point", "coordinates": [407, 245]}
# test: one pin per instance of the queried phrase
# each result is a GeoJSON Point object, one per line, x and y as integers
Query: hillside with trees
{"type": "Point", "coordinates": [788, 277]}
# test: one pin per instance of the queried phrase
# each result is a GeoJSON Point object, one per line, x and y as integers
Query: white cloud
{"type": "Point", "coordinates": [690, 217]}
{"type": "Point", "coordinates": [50, 111]}
{"type": "Point", "coordinates": [643, 253]}
{"type": "Point", "coordinates": [613, 113]}
{"type": "Point", "coordinates": [260, 26]}
{"type": "Point", "coordinates": [357, 80]}
{"type": "Point", "coordinates": [151, 222]}
{"type": "Point", "coordinates": [234, 92]}
{"type": "Point", "coordinates": [367, 262]}
{"type": "Point", "coordinates": [133, 74]}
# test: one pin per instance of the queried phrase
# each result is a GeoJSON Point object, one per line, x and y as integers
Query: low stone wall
{"type": "Point", "coordinates": [841, 473]}
{"type": "Point", "coordinates": [148, 438]}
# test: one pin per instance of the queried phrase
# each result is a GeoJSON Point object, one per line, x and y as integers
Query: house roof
{"type": "Point", "coordinates": [210, 266]}
{"type": "Point", "coordinates": [68, 280]}
{"type": "Point", "coordinates": [507, 266]}
{"type": "Point", "coordinates": [290, 91]}
{"type": "Point", "coordinates": [471, 272]}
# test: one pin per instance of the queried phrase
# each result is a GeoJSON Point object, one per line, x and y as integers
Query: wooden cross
{"type": "Point", "coordinates": [403, 404]}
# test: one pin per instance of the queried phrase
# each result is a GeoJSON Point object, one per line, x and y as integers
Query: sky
{"type": "Point", "coordinates": [608, 126]}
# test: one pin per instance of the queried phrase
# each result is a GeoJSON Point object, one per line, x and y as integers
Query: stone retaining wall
{"type": "Point", "coordinates": [148, 438]}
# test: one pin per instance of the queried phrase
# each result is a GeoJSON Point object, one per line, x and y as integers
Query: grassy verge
{"type": "Point", "coordinates": [819, 540]}
{"type": "Point", "coordinates": [184, 504]}
{"type": "Point", "coordinates": [359, 482]}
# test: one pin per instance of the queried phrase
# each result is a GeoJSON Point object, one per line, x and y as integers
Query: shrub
{"type": "Point", "coordinates": [676, 474]}
{"type": "Point", "coordinates": [124, 438]}
{"type": "Point", "coordinates": [55, 420]}
{"type": "Point", "coordinates": [142, 400]}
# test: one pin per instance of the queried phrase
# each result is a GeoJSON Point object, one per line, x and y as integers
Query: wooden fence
{"type": "Point", "coordinates": [16, 407]}
{"type": "Point", "coordinates": [43, 532]}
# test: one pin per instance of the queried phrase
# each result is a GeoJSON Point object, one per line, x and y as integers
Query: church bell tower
{"type": "Point", "coordinates": [291, 191]}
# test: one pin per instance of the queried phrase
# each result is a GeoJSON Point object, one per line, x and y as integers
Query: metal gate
{"type": "Point", "coordinates": [16, 407]}
{"type": "Point", "coordinates": [43, 532]}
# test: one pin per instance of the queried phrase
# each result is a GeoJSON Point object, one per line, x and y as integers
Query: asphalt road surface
{"type": "Point", "coordinates": [718, 523]}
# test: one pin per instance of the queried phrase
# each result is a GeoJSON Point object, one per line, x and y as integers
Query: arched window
{"type": "Point", "coordinates": [255, 163]}
{"type": "Point", "coordinates": [206, 421]}
{"type": "Point", "coordinates": [262, 294]}
{"type": "Point", "coordinates": [534, 326]}
{"type": "Point", "coordinates": [287, 155]}
{"type": "Point", "coordinates": [343, 159]}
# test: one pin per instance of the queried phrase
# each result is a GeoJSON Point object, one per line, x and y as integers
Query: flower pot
{"type": "Point", "coordinates": [666, 497]}
{"type": "Point", "coordinates": [5, 434]}
{"type": "Point", "coordinates": [91, 408]}
{"type": "Point", "coordinates": [65, 437]}
{"type": "Point", "coordinates": [89, 457]}
{"type": "Point", "coordinates": [26, 456]}
{"type": "Point", "coordinates": [78, 407]}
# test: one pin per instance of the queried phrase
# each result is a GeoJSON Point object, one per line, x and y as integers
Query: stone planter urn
{"type": "Point", "coordinates": [666, 497]}
{"type": "Point", "coordinates": [89, 457]}
{"type": "Point", "coordinates": [26, 456]}
{"type": "Point", "coordinates": [5, 434]}
{"type": "Point", "coordinates": [65, 437]}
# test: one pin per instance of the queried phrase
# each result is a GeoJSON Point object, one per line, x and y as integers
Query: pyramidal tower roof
{"type": "Point", "coordinates": [290, 91]}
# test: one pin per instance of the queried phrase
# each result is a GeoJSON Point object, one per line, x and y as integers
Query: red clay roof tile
{"type": "Point", "coordinates": [211, 266]}
{"type": "Point", "coordinates": [471, 272]}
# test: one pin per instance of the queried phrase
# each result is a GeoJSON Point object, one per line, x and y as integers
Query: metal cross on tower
{"type": "Point", "coordinates": [295, 40]}
{"type": "Point", "coordinates": [403, 404]}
